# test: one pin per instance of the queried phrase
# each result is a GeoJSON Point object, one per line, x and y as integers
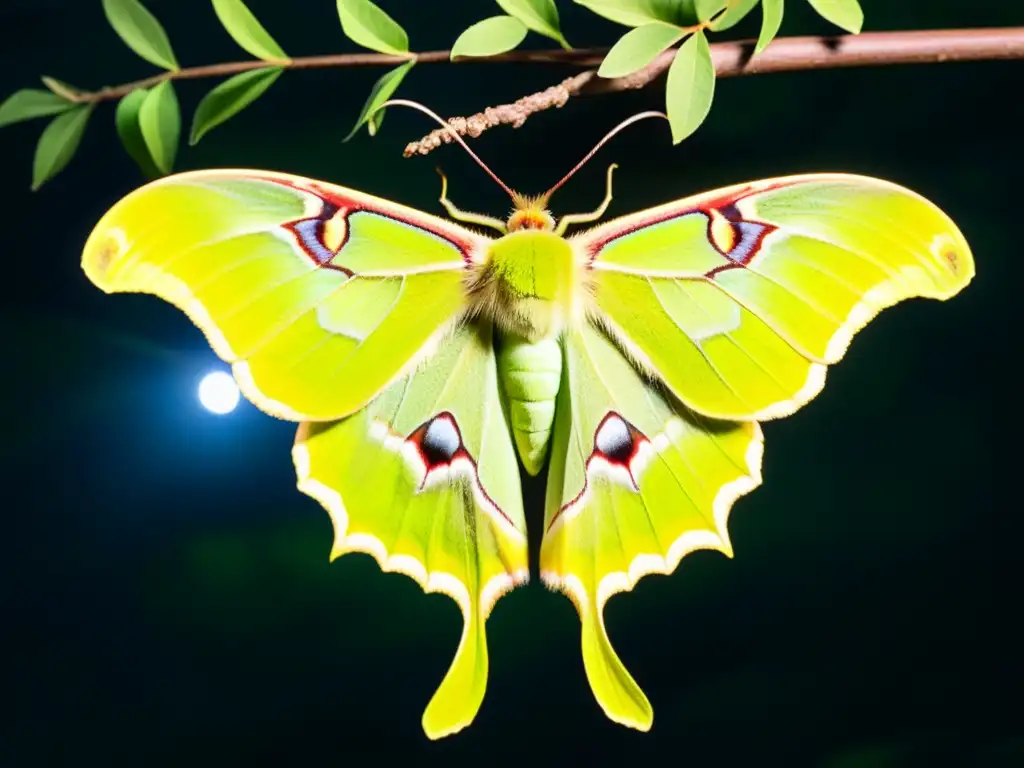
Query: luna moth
{"type": "Point", "coordinates": [422, 357]}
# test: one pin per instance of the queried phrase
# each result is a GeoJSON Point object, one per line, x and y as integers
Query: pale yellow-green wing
{"type": "Point", "coordinates": [319, 296]}
{"type": "Point", "coordinates": [738, 299]}
{"type": "Point", "coordinates": [425, 479]}
{"type": "Point", "coordinates": [636, 481]}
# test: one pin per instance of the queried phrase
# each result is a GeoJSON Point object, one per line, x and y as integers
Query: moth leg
{"type": "Point", "coordinates": [473, 218]}
{"type": "Point", "coordinates": [583, 218]}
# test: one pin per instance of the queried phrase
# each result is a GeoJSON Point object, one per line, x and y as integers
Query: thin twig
{"type": "Point", "coordinates": [731, 59]}
{"type": "Point", "coordinates": [581, 56]}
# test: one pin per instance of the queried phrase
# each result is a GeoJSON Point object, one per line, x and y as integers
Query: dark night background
{"type": "Point", "coordinates": [169, 600]}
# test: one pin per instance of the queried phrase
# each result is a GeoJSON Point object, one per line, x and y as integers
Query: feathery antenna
{"type": "Point", "coordinates": [546, 196]}
{"type": "Point", "coordinates": [624, 124]}
{"type": "Point", "coordinates": [454, 135]}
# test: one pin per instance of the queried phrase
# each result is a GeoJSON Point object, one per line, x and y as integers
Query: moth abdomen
{"type": "Point", "coordinates": [530, 373]}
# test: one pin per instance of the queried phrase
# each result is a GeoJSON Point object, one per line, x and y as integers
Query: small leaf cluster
{"type": "Point", "coordinates": [500, 34]}
{"type": "Point", "coordinates": [148, 117]}
{"type": "Point", "coordinates": [657, 25]}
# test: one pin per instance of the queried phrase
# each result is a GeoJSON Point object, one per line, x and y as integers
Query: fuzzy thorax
{"type": "Point", "coordinates": [529, 284]}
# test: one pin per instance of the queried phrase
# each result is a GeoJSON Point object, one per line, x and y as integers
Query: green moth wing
{"type": "Point", "coordinates": [738, 299]}
{"type": "Point", "coordinates": [319, 296]}
{"type": "Point", "coordinates": [425, 479]}
{"type": "Point", "coordinates": [636, 481]}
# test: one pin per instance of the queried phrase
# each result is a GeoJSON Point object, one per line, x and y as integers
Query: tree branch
{"type": "Point", "coordinates": [785, 54]}
{"type": "Point", "coordinates": [581, 56]}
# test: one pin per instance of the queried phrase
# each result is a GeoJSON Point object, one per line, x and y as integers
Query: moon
{"type": "Point", "coordinates": [218, 393]}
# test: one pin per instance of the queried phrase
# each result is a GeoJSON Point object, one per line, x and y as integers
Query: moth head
{"type": "Point", "coordinates": [530, 212]}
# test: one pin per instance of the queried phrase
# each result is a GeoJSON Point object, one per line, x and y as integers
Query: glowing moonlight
{"type": "Point", "coordinates": [218, 392]}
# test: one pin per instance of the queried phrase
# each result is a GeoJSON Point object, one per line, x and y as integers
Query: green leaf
{"type": "Point", "coordinates": [58, 144]}
{"type": "Point", "coordinates": [29, 103]}
{"type": "Point", "coordinates": [229, 98]}
{"type": "Point", "coordinates": [367, 25]}
{"type": "Point", "coordinates": [843, 13]}
{"type": "Point", "coordinates": [636, 13]}
{"type": "Point", "coordinates": [690, 87]}
{"type": "Point", "coordinates": [126, 119]}
{"type": "Point", "coordinates": [489, 37]}
{"type": "Point", "coordinates": [540, 16]}
{"type": "Point", "coordinates": [69, 92]}
{"type": "Point", "coordinates": [140, 31]}
{"type": "Point", "coordinates": [381, 92]}
{"type": "Point", "coordinates": [735, 12]}
{"type": "Point", "coordinates": [246, 30]}
{"type": "Point", "coordinates": [771, 20]}
{"type": "Point", "coordinates": [160, 120]}
{"type": "Point", "coordinates": [638, 48]}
